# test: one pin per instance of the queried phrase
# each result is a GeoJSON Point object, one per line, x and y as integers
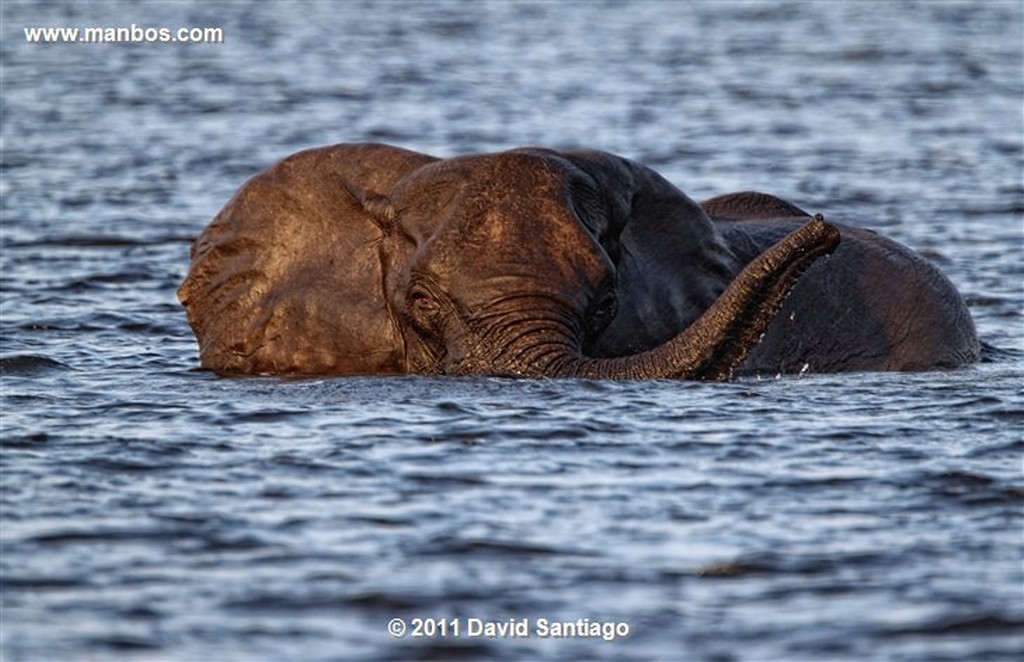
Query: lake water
{"type": "Point", "coordinates": [152, 511]}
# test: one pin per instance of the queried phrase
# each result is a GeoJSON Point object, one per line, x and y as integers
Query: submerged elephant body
{"type": "Point", "coordinates": [369, 259]}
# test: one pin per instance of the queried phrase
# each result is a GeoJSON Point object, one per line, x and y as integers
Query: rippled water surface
{"type": "Point", "coordinates": [152, 511]}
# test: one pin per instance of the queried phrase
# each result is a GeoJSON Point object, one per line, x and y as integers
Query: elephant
{"type": "Point", "coordinates": [369, 259]}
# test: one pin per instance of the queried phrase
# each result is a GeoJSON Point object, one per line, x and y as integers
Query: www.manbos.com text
{"type": "Point", "coordinates": [132, 34]}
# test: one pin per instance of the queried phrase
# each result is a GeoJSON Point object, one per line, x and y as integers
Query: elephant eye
{"type": "Point", "coordinates": [421, 301]}
{"type": "Point", "coordinates": [601, 312]}
{"type": "Point", "coordinates": [422, 307]}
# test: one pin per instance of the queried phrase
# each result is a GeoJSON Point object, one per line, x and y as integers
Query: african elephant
{"type": "Point", "coordinates": [371, 259]}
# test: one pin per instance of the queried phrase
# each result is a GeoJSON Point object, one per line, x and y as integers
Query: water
{"type": "Point", "coordinates": [152, 511]}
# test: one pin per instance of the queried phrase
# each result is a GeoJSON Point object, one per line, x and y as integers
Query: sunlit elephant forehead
{"type": "Point", "coordinates": [518, 176]}
{"type": "Point", "coordinates": [493, 199]}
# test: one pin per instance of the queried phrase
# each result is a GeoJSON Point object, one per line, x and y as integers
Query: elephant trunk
{"type": "Point", "coordinates": [717, 342]}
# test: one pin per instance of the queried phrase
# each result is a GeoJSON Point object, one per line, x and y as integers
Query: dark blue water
{"type": "Point", "coordinates": [151, 511]}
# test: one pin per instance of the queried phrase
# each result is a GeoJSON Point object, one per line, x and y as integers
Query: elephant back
{"type": "Point", "coordinates": [872, 305]}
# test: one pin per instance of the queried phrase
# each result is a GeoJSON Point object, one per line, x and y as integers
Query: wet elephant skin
{"type": "Point", "coordinates": [370, 259]}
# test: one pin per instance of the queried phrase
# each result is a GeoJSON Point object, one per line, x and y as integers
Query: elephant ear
{"type": "Point", "coordinates": [288, 278]}
{"type": "Point", "coordinates": [750, 206]}
{"type": "Point", "coordinates": [671, 262]}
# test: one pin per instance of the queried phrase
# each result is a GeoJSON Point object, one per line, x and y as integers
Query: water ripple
{"type": "Point", "coordinates": [29, 365]}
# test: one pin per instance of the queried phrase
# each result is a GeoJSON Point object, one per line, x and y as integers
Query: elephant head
{"type": "Point", "coordinates": [357, 259]}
